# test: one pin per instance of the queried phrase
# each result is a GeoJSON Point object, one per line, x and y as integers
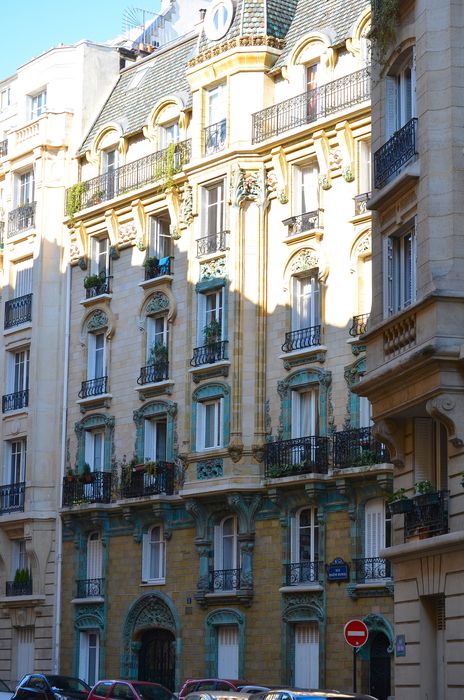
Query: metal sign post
{"type": "Point", "coordinates": [356, 635]}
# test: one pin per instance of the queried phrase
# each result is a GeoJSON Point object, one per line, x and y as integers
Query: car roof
{"type": "Point", "coordinates": [221, 693]}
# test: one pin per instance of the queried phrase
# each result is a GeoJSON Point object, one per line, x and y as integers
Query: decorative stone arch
{"type": "Point", "coordinates": [167, 109]}
{"type": "Point", "coordinates": [211, 391]}
{"type": "Point", "coordinates": [95, 420]}
{"type": "Point", "coordinates": [397, 55]}
{"type": "Point", "coordinates": [88, 618]}
{"type": "Point", "coordinates": [377, 623]}
{"type": "Point", "coordinates": [312, 46]}
{"type": "Point", "coordinates": [112, 134]}
{"type": "Point", "coordinates": [221, 618]}
{"type": "Point", "coordinates": [300, 379]}
{"type": "Point", "coordinates": [98, 319]}
{"type": "Point", "coordinates": [149, 611]}
{"type": "Point", "coordinates": [303, 261]}
{"type": "Point", "coordinates": [305, 607]}
{"type": "Point", "coordinates": [156, 409]}
{"type": "Point", "coordinates": [154, 303]}
{"type": "Point", "coordinates": [359, 31]}
{"type": "Point", "coordinates": [361, 248]}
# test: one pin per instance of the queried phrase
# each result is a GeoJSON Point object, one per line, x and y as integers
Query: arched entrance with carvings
{"type": "Point", "coordinates": [151, 641]}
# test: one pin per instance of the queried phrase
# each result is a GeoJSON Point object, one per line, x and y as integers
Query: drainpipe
{"type": "Point", "coordinates": [59, 527]}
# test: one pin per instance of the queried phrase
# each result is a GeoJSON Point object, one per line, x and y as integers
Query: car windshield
{"type": "Point", "coordinates": [71, 685]}
{"type": "Point", "coordinates": [152, 692]}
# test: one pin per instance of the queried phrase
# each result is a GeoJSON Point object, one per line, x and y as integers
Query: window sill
{"type": "Point", "coordinates": [89, 599]}
{"type": "Point", "coordinates": [381, 587]}
{"type": "Point", "coordinates": [27, 325]}
{"type": "Point", "coordinates": [315, 353]}
{"type": "Point", "coordinates": [96, 299]}
{"type": "Point", "coordinates": [409, 174]}
{"type": "Point", "coordinates": [316, 586]}
{"type": "Point", "coordinates": [316, 233]}
{"type": "Point", "coordinates": [16, 412]}
{"type": "Point", "coordinates": [213, 369]}
{"type": "Point", "coordinates": [156, 281]}
{"type": "Point", "coordinates": [157, 582]}
{"type": "Point", "coordinates": [241, 596]}
{"type": "Point", "coordinates": [19, 601]}
{"type": "Point", "coordinates": [154, 388]}
{"type": "Point", "coordinates": [20, 235]}
{"type": "Point", "coordinates": [102, 400]}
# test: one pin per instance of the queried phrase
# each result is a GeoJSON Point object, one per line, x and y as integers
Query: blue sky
{"type": "Point", "coordinates": [29, 27]}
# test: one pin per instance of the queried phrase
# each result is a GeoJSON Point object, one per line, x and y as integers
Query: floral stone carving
{"type": "Point", "coordinates": [213, 269]}
{"type": "Point", "coordinates": [98, 320]}
{"type": "Point", "coordinates": [158, 302]}
{"type": "Point", "coordinates": [307, 259]}
{"type": "Point", "coordinates": [210, 469]}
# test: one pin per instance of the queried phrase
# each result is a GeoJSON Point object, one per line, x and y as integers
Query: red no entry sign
{"type": "Point", "coordinates": [356, 633]}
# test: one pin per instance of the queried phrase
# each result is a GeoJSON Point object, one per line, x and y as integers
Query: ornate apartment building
{"type": "Point", "coordinates": [42, 122]}
{"type": "Point", "coordinates": [414, 346]}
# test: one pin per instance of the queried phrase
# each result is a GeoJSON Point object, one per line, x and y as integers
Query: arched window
{"type": "Point", "coordinates": [154, 555]}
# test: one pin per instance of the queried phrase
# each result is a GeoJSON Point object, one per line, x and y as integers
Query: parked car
{"type": "Point", "coordinates": [130, 690]}
{"type": "Point", "coordinates": [197, 685]}
{"type": "Point", "coordinates": [39, 686]}
{"type": "Point", "coordinates": [293, 694]}
{"type": "Point", "coordinates": [5, 692]}
{"type": "Point", "coordinates": [219, 695]}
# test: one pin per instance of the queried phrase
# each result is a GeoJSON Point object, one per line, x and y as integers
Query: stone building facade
{"type": "Point", "coordinates": [220, 468]}
{"type": "Point", "coordinates": [414, 346]}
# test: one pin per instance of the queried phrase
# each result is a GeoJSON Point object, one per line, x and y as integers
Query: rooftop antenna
{"type": "Point", "coordinates": [139, 25]}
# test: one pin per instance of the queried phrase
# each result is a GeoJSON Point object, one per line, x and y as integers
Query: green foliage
{"type": "Point", "coordinates": [158, 353]}
{"type": "Point", "coordinates": [212, 332]}
{"type": "Point", "coordinates": [151, 467]}
{"type": "Point", "coordinates": [170, 163]}
{"type": "Point", "coordinates": [150, 263]}
{"type": "Point", "coordinates": [74, 198]}
{"type": "Point", "coordinates": [92, 281]}
{"type": "Point", "coordinates": [397, 496]}
{"type": "Point", "coordinates": [385, 22]}
{"type": "Point", "coordinates": [22, 576]}
{"type": "Point", "coordinates": [423, 487]}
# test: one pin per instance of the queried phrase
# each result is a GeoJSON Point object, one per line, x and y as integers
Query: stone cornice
{"type": "Point", "coordinates": [237, 42]}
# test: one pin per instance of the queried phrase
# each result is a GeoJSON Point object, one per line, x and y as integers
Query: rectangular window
{"type": "Point", "coordinates": [38, 104]}
{"type": "Point", "coordinates": [305, 413]}
{"type": "Point", "coordinates": [306, 302]}
{"type": "Point", "coordinates": [210, 317]}
{"type": "Point", "coordinates": [160, 245]}
{"type": "Point", "coordinates": [305, 539]}
{"type": "Point", "coordinates": [95, 449]}
{"type": "Point", "coordinates": [216, 104]}
{"type": "Point", "coordinates": [154, 555]}
{"type": "Point", "coordinates": [15, 461]}
{"type": "Point", "coordinates": [18, 371]}
{"type": "Point", "coordinates": [213, 206]}
{"type": "Point", "coordinates": [306, 189]}
{"type": "Point", "coordinates": [400, 272]}
{"type": "Point", "coordinates": [22, 278]}
{"type": "Point", "coordinates": [100, 257]}
{"type": "Point", "coordinates": [170, 134]}
{"type": "Point", "coordinates": [155, 436]}
{"type": "Point", "coordinates": [5, 98]}
{"type": "Point", "coordinates": [157, 339]}
{"type": "Point", "coordinates": [25, 188]}
{"type": "Point", "coordinates": [400, 95]}
{"type": "Point", "coordinates": [20, 560]}
{"type": "Point", "coordinates": [209, 424]}
{"type": "Point", "coordinates": [110, 160]}
{"type": "Point", "coordinates": [96, 356]}
{"type": "Point", "coordinates": [89, 652]}
{"type": "Point", "coordinates": [364, 166]}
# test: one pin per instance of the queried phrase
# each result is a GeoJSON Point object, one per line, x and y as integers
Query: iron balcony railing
{"type": "Point", "coordinates": [398, 150]}
{"type": "Point", "coordinates": [359, 325]}
{"type": "Point", "coordinates": [304, 338]}
{"type": "Point", "coordinates": [154, 373]}
{"type": "Point", "coordinates": [360, 203]}
{"type": "Point", "coordinates": [157, 166]}
{"type": "Point", "coordinates": [139, 482]}
{"type": "Point", "coordinates": [215, 137]}
{"type": "Point", "coordinates": [12, 497]}
{"type": "Point", "coordinates": [156, 268]}
{"type": "Point", "coordinates": [312, 105]}
{"type": "Point", "coordinates": [214, 243]}
{"type": "Point", "coordinates": [77, 492]}
{"type": "Point", "coordinates": [3, 148]}
{"type": "Point", "coordinates": [18, 311]}
{"type": "Point", "coordinates": [93, 387]}
{"type": "Point", "coordinates": [103, 286]}
{"type": "Point", "coordinates": [371, 569]}
{"type": "Point", "coordinates": [303, 222]}
{"type": "Point", "coordinates": [207, 354]}
{"type": "Point", "coordinates": [357, 447]}
{"type": "Point", "coordinates": [224, 580]}
{"type": "Point", "coordinates": [303, 455]}
{"type": "Point", "coordinates": [19, 587]}
{"type": "Point", "coordinates": [15, 401]}
{"type": "Point", "coordinates": [428, 516]}
{"type": "Point", "coordinates": [21, 219]}
{"type": "Point", "coordinates": [89, 587]}
{"type": "Point", "coordinates": [302, 572]}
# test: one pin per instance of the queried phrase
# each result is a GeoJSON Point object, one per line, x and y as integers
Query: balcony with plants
{"type": "Point", "coordinates": [302, 455]}
{"type": "Point", "coordinates": [214, 350]}
{"type": "Point", "coordinates": [425, 513]}
{"type": "Point", "coordinates": [156, 167]}
{"type": "Point", "coordinates": [145, 479]}
{"type": "Point", "coordinates": [21, 584]}
{"type": "Point", "coordinates": [157, 368]}
{"type": "Point", "coordinates": [357, 447]}
{"type": "Point", "coordinates": [96, 285]}
{"type": "Point", "coordinates": [157, 267]}
{"type": "Point", "coordinates": [86, 487]}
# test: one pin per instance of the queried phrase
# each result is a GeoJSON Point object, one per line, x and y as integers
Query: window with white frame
{"type": "Point", "coordinates": [155, 437]}
{"type": "Point", "coordinates": [306, 301]}
{"type": "Point", "coordinates": [37, 104]}
{"type": "Point", "coordinates": [96, 356]}
{"type": "Point", "coordinates": [5, 98]}
{"type": "Point", "coordinates": [25, 188]}
{"type": "Point", "coordinates": [157, 339]}
{"type": "Point", "coordinates": [213, 209]}
{"type": "Point", "coordinates": [364, 166]}
{"type": "Point", "coordinates": [216, 104]}
{"type": "Point", "coordinates": [109, 160]}
{"type": "Point", "coordinates": [304, 529]}
{"type": "Point", "coordinates": [20, 559]}
{"type": "Point", "coordinates": [305, 418]}
{"type": "Point", "coordinates": [210, 431]}
{"type": "Point", "coordinates": [89, 655]}
{"type": "Point", "coordinates": [95, 449]}
{"type": "Point", "coordinates": [170, 133]}
{"type": "Point", "coordinates": [210, 316]}
{"type": "Point", "coordinates": [100, 264]}
{"type": "Point", "coordinates": [226, 553]}
{"type": "Point", "coordinates": [400, 96]}
{"type": "Point", "coordinates": [18, 371]}
{"type": "Point", "coordinates": [22, 277]}
{"type": "Point", "coordinates": [306, 188]}
{"type": "Point", "coordinates": [377, 536]}
{"type": "Point", "coordinates": [306, 649]}
{"type": "Point", "coordinates": [160, 242]}
{"type": "Point", "coordinates": [400, 270]}
{"type": "Point", "coordinates": [228, 651]}
{"type": "Point", "coordinates": [94, 559]}
{"type": "Point", "coordinates": [14, 469]}
{"type": "Point", "coordinates": [154, 555]}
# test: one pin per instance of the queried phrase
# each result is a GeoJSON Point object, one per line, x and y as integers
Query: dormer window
{"type": "Point", "coordinates": [170, 134]}
{"type": "Point", "coordinates": [38, 104]}
{"type": "Point", "coordinates": [218, 19]}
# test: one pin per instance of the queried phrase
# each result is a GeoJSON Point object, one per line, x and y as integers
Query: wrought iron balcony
{"type": "Point", "coordinates": [214, 243]}
{"type": "Point", "coordinates": [154, 373]}
{"type": "Point", "coordinates": [21, 219]}
{"type": "Point", "coordinates": [3, 148]}
{"type": "Point", "coordinates": [18, 311]}
{"type": "Point", "coordinates": [312, 105]}
{"type": "Point", "coordinates": [304, 338]}
{"type": "Point", "coordinates": [90, 587]}
{"type": "Point", "coordinates": [371, 569]}
{"type": "Point", "coordinates": [12, 497]}
{"type": "Point", "coordinates": [103, 286]}
{"type": "Point", "coordinates": [157, 166]}
{"type": "Point", "coordinates": [156, 268]}
{"type": "Point", "coordinates": [142, 481]}
{"type": "Point", "coordinates": [360, 203]}
{"type": "Point", "coordinates": [357, 448]}
{"type": "Point", "coordinates": [302, 572]}
{"type": "Point", "coordinates": [304, 455]}
{"type": "Point", "coordinates": [359, 325]}
{"type": "Point", "coordinates": [303, 222]}
{"type": "Point", "coordinates": [12, 402]}
{"type": "Point", "coordinates": [14, 588]}
{"type": "Point", "coordinates": [77, 492]}
{"type": "Point", "coordinates": [207, 354]}
{"type": "Point", "coordinates": [93, 387]}
{"type": "Point", "coordinates": [398, 150]}
{"type": "Point", "coordinates": [215, 137]}
{"type": "Point", "coordinates": [428, 516]}
{"type": "Point", "coordinates": [224, 580]}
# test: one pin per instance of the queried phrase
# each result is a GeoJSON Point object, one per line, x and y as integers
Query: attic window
{"type": "Point", "coordinates": [218, 19]}
{"type": "Point", "coordinates": [137, 78]}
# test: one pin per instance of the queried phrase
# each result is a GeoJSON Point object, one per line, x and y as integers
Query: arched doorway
{"type": "Point", "coordinates": [379, 666]}
{"type": "Point", "coordinates": [157, 657]}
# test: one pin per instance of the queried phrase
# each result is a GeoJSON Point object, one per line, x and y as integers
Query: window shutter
{"type": "Point", "coordinates": [296, 415]}
{"type": "Point", "coordinates": [316, 302]}
{"type": "Point", "coordinates": [391, 106]}
{"type": "Point", "coordinates": [228, 647]}
{"type": "Point", "coordinates": [201, 321]}
{"type": "Point", "coordinates": [296, 284]}
{"type": "Point", "coordinates": [221, 418]}
{"type": "Point", "coordinates": [88, 448]}
{"type": "Point", "coordinates": [94, 558]}
{"type": "Point", "coordinates": [218, 548]}
{"type": "Point", "coordinates": [294, 540]}
{"type": "Point", "coordinates": [146, 549]}
{"type": "Point", "coordinates": [374, 528]}
{"type": "Point", "coordinates": [149, 440]}
{"type": "Point", "coordinates": [23, 278]}
{"type": "Point", "coordinates": [423, 449]}
{"type": "Point", "coordinates": [10, 380]}
{"type": "Point", "coordinates": [91, 348]}
{"type": "Point", "coordinates": [413, 83]}
{"type": "Point", "coordinates": [388, 276]}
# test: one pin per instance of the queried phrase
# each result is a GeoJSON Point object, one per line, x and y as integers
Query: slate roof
{"type": "Point", "coordinates": [336, 15]}
{"type": "Point", "coordinates": [165, 76]}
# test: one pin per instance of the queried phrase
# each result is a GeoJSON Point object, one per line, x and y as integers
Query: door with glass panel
{"type": "Point", "coordinates": [305, 424]}
{"type": "Point", "coordinates": [89, 653]}
{"type": "Point", "coordinates": [304, 547]}
{"type": "Point", "coordinates": [226, 555]}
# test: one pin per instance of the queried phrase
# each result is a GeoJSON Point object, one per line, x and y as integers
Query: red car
{"type": "Point", "coordinates": [129, 690]}
{"type": "Point", "coordinates": [194, 685]}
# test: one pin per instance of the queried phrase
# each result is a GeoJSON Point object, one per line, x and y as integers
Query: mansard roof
{"type": "Point", "coordinates": [165, 77]}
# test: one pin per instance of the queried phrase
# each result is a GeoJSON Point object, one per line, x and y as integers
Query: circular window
{"type": "Point", "coordinates": [218, 19]}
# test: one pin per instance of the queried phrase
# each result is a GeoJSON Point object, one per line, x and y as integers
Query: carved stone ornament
{"type": "Point", "coordinates": [348, 174]}
{"type": "Point", "coordinates": [390, 434]}
{"type": "Point", "coordinates": [140, 244]}
{"type": "Point", "coordinates": [82, 262]}
{"type": "Point", "coordinates": [248, 185]}
{"type": "Point", "coordinates": [444, 409]}
{"type": "Point", "coordinates": [272, 185]}
{"type": "Point", "coordinates": [158, 302]}
{"type": "Point", "coordinates": [74, 253]}
{"type": "Point", "coordinates": [324, 181]}
{"type": "Point", "coordinates": [97, 320]}
{"type": "Point", "coordinates": [213, 269]}
{"type": "Point", "coordinates": [210, 469]}
{"type": "Point", "coordinates": [364, 246]}
{"type": "Point", "coordinates": [258, 452]}
{"type": "Point", "coordinates": [307, 259]}
{"type": "Point", "coordinates": [235, 450]}
{"type": "Point", "coordinates": [186, 210]}
{"type": "Point", "coordinates": [127, 233]}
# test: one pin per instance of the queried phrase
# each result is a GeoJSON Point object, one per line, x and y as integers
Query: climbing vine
{"type": "Point", "coordinates": [385, 24]}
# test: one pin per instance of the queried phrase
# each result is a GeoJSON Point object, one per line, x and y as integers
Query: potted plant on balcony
{"type": "Point", "coordinates": [92, 281]}
{"type": "Point", "coordinates": [151, 264]}
{"type": "Point", "coordinates": [86, 477]}
{"type": "Point", "coordinates": [22, 578]}
{"type": "Point", "coordinates": [151, 467]}
{"type": "Point", "coordinates": [425, 493]}
{"type": "Point", "coordinates": [70, 475]}
{"type": "Point", "coordinates": [399, 503]}
{"type": "Point", "coordinates": [158, 354]}
{"type": "Point", "coordinates": [212, 332]}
